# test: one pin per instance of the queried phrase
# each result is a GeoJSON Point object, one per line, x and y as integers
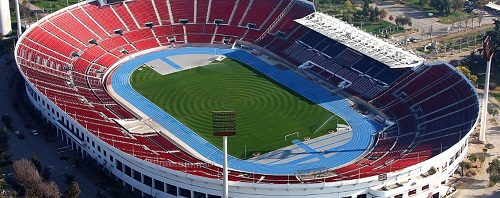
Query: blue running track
{"type": "Point", "coordinates": [363, 128]}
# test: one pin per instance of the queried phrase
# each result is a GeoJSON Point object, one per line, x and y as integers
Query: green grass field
{"type": "Point", "coordinates": [266, 111]}
{"type": "Point", "coordinates": [496, 95]}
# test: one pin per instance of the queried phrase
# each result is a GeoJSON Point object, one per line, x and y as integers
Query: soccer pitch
{"type": "Point", "coordinates": [266, 111]}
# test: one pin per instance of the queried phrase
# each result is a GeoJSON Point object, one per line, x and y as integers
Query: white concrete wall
{"type": "Point", "coordinates": [193, 183]}
{"type": "Point", "coordinates": [5, 27]}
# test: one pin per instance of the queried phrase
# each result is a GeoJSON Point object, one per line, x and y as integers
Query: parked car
{"type": "Point", "coordinates": [468, 9]}
{"type": "Point", "coordinates": [19, 134]}
{"type": "Point", "coordinates": [34, 132]}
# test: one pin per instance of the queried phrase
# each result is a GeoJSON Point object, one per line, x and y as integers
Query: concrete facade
{"type": "Point", "coordinates": [5, 22]}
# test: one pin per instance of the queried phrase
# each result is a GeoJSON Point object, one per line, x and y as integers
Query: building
{"type": "Point", "coordinates": [425, 111]}
{"type": "Point", "coordinates": [5, 23]}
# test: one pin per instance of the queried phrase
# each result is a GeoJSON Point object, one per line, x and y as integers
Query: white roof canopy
{"type": "Point", "coordinates": [361, 41]}
{"type": "Point", "coordinates": [493, 6]}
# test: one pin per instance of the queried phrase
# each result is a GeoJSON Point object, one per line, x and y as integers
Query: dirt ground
{"type": "Point", "coordinates": [476, 186]}
{"type": "Point", "coordinates": [420, 43]}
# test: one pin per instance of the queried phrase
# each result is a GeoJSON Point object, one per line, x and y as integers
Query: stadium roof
{"type": "Point", "coordinates": [493, 6]}
{"type": "Point", "coordinates": [361, 41]}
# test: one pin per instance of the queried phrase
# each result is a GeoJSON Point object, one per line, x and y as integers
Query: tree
{"type": "Point", "coordinates": [373, 16]}
{"type": "Point", "coordinates": [68, 178]}
{"type": "Point", "coordinates": [348, 5]}
{"type": "Point", "coordinates": [481, 159]}
{"type": "Point", "coordinates": [422, 3]}
{"type": "Point", "coordinates": [46, 173]}
{"type": "Point", "coordinates": [495, 36]}
{"type": "Point", "coordinates": [492, 110]}
{"type": "Point", "coordinates": [347, 17]}
{"type": "Point", "coordinates": [493, 86]}
{"type": "Point", "coordinates": [7, 121]}
{"type": "Point", "coordinates": [472, 16]}
{"type": "Point", "coordinates": [5, 156]}
{"type": "Point", "coordinates": [472, 157]}
{"type": "Point", "coordinates": [464, 166]}
{"type": "Point", "coordinates": [401, 21]}
{"type": "Point", "coordinates": [480, 18]}
{"type": "Point", "coordinates": [460, 22]}
{"type": "Point", "coordinates": [495, 112]}
{"type": "Point", "coordinates": [48, 189]}
{"type": "Point", "coordinates": [383, 14]}
{"type": "Point", "coordinates": [4, 136]}
{"type": "Point", "coordinates": [391, 18]}
{"type": "Point", "coordinates": [73, 191]}
{"type": "Point", "coordinates": [456, 4]}
{"type": "Point", "coordinates": [36, 162]}
{"type": "Point", "coordinates": [474, 61]}
{"type": "Point", "coordinates": [408, 20]}
{"type": "Point", "coordinates": [28, 177]}
{"type": "Point", "coordinates": [25, 174]}
{"type": "Point", "coordinates": [30, 193]}
{"type": "Point", "coordinates": [443, 6]}
{"type": "Point", "coordinates": [494, 171]}
{"type": "Point", "coordinates": [466, 71]}
{"type": "Point", "coordinates": [366, 9]}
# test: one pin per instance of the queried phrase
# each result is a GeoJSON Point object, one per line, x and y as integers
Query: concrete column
{"type": "Point", "coordinates": [484, 110]}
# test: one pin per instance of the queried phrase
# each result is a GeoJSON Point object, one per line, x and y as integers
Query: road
{"type": "Point", "coordinates": [24, 148]}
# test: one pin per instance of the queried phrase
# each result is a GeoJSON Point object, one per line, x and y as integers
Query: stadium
{"type": "Point", "coordinates": [326, 109]}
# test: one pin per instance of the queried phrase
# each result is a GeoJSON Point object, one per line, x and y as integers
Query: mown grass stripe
{"type": "Point", "coordinates": [266, 110]}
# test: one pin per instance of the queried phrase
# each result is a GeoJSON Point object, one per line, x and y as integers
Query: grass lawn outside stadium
{"type": "Point", "coordinates": [266, 111]}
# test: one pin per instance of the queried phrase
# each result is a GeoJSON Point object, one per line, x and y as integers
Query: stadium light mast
{"type": "Point", "coordinates": [224, 124]}
{"type": "Point", "coordinates": [18, 18]}
{"type": "Point", "coordinates": [488, 54]}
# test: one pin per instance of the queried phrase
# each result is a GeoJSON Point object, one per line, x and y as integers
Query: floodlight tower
{"type": "Point", "coordinates": [5, 27]}
{"type": "Point", "coordinates": [224, 124]}
{"type": "Point", "coordinates": [18, 18]}
{"type": "Point", "coordinates": [488, 54]}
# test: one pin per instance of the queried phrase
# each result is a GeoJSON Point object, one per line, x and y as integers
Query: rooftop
{"type": "Point", "coordinates": [493, 6]}
{"type": "Point", "coordinates": [361, 41]}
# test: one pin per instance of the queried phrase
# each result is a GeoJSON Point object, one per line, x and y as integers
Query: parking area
{"type": "Point", "coordinates": [420, 18]}
{"type": "Point", "coordinates": [27, 141]}
{"type": "Point", "coordinates": [424, 21]}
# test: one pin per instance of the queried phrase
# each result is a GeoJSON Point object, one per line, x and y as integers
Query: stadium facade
{"type": "Point", "coordinates": [5, 23]}
{"type": "Point", "coordinates": [426, 111]}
